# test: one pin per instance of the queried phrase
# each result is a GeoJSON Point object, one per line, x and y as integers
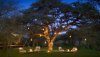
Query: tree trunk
{"type": "Point", "coordinates": [50, 46]}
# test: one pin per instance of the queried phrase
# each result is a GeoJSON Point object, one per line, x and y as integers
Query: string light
{"type": "Point", "coordinates": [85, 39]}
{"type": "Point", "coordinates": [40, 35]}
{"type": "Point", "coordinates": [70, 36]}
{"type": "Point", "coordinates": [45, 42]}
{"type": "Point", "coordinates": [28, 28]}
{"type": "Point", "coordinates": [55, 33]}
{"type": "Point", "coordinates": [42, 29]}
{"type": "Point", "coordinates": [31, 39]}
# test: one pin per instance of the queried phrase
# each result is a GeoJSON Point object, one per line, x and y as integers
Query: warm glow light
{"type": "Point", "coordinates": [50, 48]}
{"type": "Point", "coordinates": [28, 28]}
{"type": "Point", "coordinates": [40, 35]}
{"type": "Point", "coordinates": [42, 29]}
{"type": "Point", "coordinates": [55, 33]}
{"type": "Point", "coordinates": [30, 50]}
{"type": "Point", "coordinates": [48, 51]}
{"type": "Point", "coordinates": [70, 36]}
{"type": "Point", "coordinates": [45, 42]}
{"type": "Point", "coordinates": [37, 49]}
{"type": "Point", "coordinates": [68, 50]}
{"type": "Point", "coordinates": [60, 49]}
{"type": "Point", "coordinates": [59, 33]}
{"type": "Point", "coordinates": [85, 39]}
{"type": "Point", "coordinates": [74, 49]}
{"type": "Point", "coordinates": [46, 31]}
{"type": "Point", "coordinates": [31, 39]}
{"type": "Point", "coordinates": [15, 34]}
{"type": "Point", "coordinates": [20, 48]}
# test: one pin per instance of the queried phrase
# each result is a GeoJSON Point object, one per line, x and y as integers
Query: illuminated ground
{"type": "Point", "coordinates": [80, 53]}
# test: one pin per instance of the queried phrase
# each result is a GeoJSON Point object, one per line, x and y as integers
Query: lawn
{"type": "Point", "coordinates": [81, 53]}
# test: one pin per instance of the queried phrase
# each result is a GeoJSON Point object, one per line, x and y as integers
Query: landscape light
{"type": "Point", "coordinates": [85, 39]}
{"type": "Point", "coordinates": [68, 50]}
{"type": "Point", "coordinates": [31, 39]}
{"type": "Point", "coordinates": [30, 50]}
{"type": "Point", "coordinates": [70, 36]}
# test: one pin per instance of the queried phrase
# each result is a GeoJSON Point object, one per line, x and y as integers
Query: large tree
{"type": "Point", "coordinates": [51, 17]}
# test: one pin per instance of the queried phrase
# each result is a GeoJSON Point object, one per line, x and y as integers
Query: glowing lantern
{"type": "Point", "coordinates": [48, 51]}
{"type": "Point", "coordinates": [60, 49]}
{"type": "Point", "coordinates": [22, 50]}
{"type": "Point", "coordinates": [74, 49]}
{"type": "Point", "coordinates": [37, 49]}
{"type": "Point", "coordinates": [30, 50]}
{"type": "Point", "coordinates": [68, 50]}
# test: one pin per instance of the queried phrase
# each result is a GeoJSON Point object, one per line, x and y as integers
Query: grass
{"type": "Point", "coordinates": [81, 53]}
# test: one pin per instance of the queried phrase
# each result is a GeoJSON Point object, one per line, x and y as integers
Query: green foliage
{"type": "Point", "coordinates": [91, 33]}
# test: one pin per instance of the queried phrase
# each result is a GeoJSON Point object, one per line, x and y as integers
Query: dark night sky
{"type": "Point", "coordinates": [26, 3]}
